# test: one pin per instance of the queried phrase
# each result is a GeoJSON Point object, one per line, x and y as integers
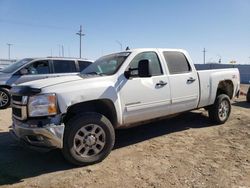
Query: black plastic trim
{"type": "Point", "coordinates": [24, 91]}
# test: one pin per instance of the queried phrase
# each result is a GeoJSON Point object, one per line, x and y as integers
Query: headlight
{"type": "Point", "coordinates": [42, 105]}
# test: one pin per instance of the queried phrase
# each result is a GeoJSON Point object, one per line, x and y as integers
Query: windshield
{"type": "Point", "coordinates": [12, 67]}
{"type": "Point", "coordinates": [106, 65]}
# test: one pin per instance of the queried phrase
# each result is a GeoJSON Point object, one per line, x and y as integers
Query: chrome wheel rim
{"type": "Point", "coordinates": [89, 140]}
{"type": "Point", "coordinates": [4, 99]}
{"type": "Point", "coordinates": [223, 110]}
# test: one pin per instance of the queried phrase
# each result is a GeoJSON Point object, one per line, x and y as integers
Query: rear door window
{"type": "Point", "coordinates": [177, 62]}
{"type": "Point", "coordinates": [83, 65]}
{"type": "Point", "coordinates": [64, 66]}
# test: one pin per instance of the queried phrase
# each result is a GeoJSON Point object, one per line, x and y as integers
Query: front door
{"type": "Point", "coordinates": [145, 98]}
{"type": "Point", "coordinates": [64, 68]}
{"type": "Point", "coordinates": [35, 71]}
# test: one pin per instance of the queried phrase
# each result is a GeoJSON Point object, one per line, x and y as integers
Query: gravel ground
{"type": "Point", "coordinates": [185, 151]}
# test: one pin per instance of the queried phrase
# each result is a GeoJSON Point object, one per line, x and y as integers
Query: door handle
{"type": "Point", "coordinates": [191, 79]}
{"type": "Point", "coordinates": [161, 83]}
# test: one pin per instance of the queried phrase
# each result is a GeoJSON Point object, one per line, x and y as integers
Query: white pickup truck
{"type": "Point", "coordinates": [78, 114]}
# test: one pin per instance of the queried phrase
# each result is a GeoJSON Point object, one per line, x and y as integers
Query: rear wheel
{"type": "Point", "coordinates": [248, 95]}
{"type": "Point", "coordinates": [88, 139]}
{"type": "Point", "coordinates": [220, 111]}
{"type": "Point", "coordinates": [4, 98]}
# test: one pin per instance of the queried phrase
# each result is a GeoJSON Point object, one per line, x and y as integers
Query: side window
{"type": "Point", "coordinates": [154, 63]}
{"type": "Point", "coordinates": [64, 66]}
{"type": "Point", "coordinates": [177, 62]}
{"type": "Point", "coordinates": [39, 67]}
{"type": "Point", "coordinates": [83, 65]}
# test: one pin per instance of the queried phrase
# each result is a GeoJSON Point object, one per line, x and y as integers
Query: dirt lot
{"type": "Point", "coordinates": [186, 151]}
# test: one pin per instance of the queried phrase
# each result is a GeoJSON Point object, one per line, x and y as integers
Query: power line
{"type": "Point", "coordinates": [13, 22]}
{"type": "Point", "coordinates": [80, 36]}
{"type": "Point", "coordinates": [118, 42]}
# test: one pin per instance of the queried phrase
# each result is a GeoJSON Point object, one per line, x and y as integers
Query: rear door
{"type": "Point", "coordinates": [145, 98]}
{"type": "Point", "coordinates": [64, 67]}
{"type": "Point", "coordinates": [183, 80]}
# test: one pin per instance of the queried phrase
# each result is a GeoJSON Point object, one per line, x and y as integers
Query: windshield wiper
{"type": "Point", "coordinates": [95, 73]}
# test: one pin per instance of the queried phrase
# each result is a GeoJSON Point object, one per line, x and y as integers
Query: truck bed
{"type": "Point", "coordinates": [209, 81]}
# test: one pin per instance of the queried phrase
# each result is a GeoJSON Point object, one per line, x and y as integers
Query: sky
{"type": "Point", "coordinates": [40, 28]}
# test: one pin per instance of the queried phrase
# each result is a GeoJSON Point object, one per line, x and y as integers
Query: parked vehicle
{"type": "Point", "coordinates": [79, 113]}
{"type": "Point", "coordinates": [29, 69]}
{"type": "Point", "coordinates": [248, 95]}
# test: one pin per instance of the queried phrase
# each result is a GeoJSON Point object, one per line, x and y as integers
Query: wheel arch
{"type": "Point", "coordinates": [225, 87]}
{"type": "Point", "coordinates": [5, 87]}
{"type": "Point", "coordinates": [103, 106]}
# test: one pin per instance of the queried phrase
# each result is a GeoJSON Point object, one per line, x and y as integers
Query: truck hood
{"type": "Point", "coordinates": [75, 89]}
{"type": "Point", "coordinates": [43, 83]}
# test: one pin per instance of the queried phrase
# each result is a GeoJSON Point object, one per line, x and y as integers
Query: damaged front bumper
{"type": "Point", "coordinates": [44, 137]}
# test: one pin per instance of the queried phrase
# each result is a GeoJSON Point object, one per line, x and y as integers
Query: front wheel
{"type": "Point", "coordinates": [4, 98]}
{"type": "Point", "coordinates": [220, 111]}
{"type": "Point", "coordinates": [88, 139]}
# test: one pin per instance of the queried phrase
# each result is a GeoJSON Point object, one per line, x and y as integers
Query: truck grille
{"type": "Point", "coordinates": [17, 98]}
{"type": "Point", "coordinates": [17, 112]}
{"type": "Point", "coordinates": [19, 109]}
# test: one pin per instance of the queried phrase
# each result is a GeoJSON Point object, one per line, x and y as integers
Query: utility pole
{"type": "Point", "coordinates": [204, 55]}
{"type": "Point", "coordinates": [59, 48]}
{"type": "Point", "coordinates": [80, 36]}
{"type": "Point", "coordinates": [9, 48]}
{"type": "Point", "coordinates": [62, 51]}
{"type": "Point", "coordinates": [219, 61]}
{"type": "Point", "coordinates": [69, 51]}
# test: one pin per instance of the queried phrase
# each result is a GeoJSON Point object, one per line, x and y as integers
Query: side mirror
{"type": "Point", "coordinates": [127, 74]}
{"type": "Point", "coordinates": [143, 68]}
{"type": "Point", "coordinates": [24, 71]}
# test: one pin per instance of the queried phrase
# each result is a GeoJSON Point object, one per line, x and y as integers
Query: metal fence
{"type": "Point", "coordinates": [244, 70]}
{"type": "Point", "coordinates": [6, 62]}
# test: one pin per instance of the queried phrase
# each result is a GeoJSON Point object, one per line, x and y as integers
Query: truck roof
{"type": "Point", "coordinates": [61, 58]}
{"type": "Point", "coordinates": [155, 49]}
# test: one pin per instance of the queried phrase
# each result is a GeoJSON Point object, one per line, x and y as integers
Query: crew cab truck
{"type": "Point", "coordinates": [79, 113]}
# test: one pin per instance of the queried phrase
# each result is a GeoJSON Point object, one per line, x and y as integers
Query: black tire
{"type": "Point", "coordinates": [73, 130]}
{"type": "Point", "coordinates": [4, 98]}
{"type": "Point", "coordinates": [248, 95]}
{"type": "Point", "coordinates": [217, 113]}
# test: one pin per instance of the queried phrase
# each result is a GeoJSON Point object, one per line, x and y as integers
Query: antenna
{"type": "Point", "coordinates": [118, 42]}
